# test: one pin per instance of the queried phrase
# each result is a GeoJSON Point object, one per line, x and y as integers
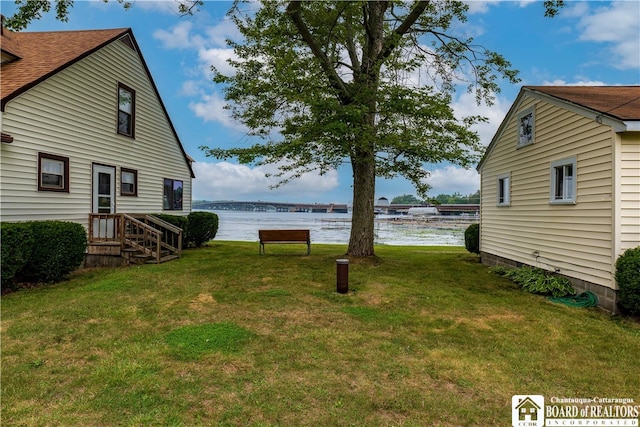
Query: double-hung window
{"type": "Point", "coordinates": [53, 173]}
{"type": "Point", "coordinates": [126, 110]}
{"type": "Point", "coordinates": [172, 195]}
{"type": "Point", "coordinates": [128, 182]}
{"type": "Point", "coordinates": [563, 181]}
{"type": "Point", "coordinates": [504, 190]}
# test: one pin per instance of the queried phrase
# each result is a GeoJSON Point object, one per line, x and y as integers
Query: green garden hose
{"type": "Point", "coordinates": [585, 299]}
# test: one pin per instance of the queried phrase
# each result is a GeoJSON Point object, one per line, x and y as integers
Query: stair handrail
{"type": "Point", "coordinates": [171, 228]}
{"type": "Point", "coordinates": [155, 236]}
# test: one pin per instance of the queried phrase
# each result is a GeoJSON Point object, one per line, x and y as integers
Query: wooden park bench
{"type": "Point", "coordinates": [284, 236]}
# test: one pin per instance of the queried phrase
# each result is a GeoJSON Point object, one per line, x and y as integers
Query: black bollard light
{"type": "Point", "coordinates": [342, 276]}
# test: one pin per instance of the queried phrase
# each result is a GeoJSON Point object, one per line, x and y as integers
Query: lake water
{"type": "Point", "coordinates": [334, 228]}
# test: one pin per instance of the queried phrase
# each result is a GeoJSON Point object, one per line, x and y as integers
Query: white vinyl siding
{"type": "Point", "coordinates": [85, 96]}
{"type": "Point", "coordinates": [630, 192]}
{"type": "Point", "coordinates": [576, 238]}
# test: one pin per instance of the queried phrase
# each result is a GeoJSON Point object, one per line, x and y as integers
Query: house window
{"type": "Point", "coordinates": [172, 195]}
{"type": "Point", "coordinates": [53, 173]}
{"type": "Point", "coordinates": [526, 127]}
{"type": "Point", "coordinates": [126, 110]}
{"type": "Point", "coordinates": [504, 190]}
{"type": "Point", "coordinates": [563, 181]}
{"type": "Point", "coordinates": [128, 182]}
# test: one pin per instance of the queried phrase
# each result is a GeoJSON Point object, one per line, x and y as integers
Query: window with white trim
{"type": "Point", "coordinates": [526, 127]}
{"type": "Point", "coordinates": [504, 190]}
{"type": "Point", "coordinates": [128, 182]}
{"type": "Point", "coordinates": [53, 173]}
{"type": "Point", "coordinates": [563, 181]}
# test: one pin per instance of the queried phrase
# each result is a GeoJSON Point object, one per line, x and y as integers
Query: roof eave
{"type": "Point", "coordinates": [8, 97]}
{"type": "Point", "coordinates": [632, 125]}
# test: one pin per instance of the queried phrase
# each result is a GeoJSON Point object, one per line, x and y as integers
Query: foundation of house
{"type": "Point", "coordinates": [607, 297]}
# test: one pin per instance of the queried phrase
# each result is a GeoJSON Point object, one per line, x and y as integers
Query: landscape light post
{"type": "Point", "coordinates": [342, 276]}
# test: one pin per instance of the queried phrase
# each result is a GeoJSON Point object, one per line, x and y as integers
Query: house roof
{"type": "Point", "coordinates": [43, 54]}
{"type": "Point", "coordinates": [40, 55]}
{"type": "Point", "coordinates": [618, 106]}
{"type": "Point", "coordinates": [620, 102]}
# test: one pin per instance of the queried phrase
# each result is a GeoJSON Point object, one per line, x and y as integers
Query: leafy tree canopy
{"type": "Point", "coordinates": [406, 199]}
{"type": "Point", "coordinates": [364, 82]}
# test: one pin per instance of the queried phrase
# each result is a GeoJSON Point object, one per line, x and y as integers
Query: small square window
{"type": "Point", "coordinates": [126, 110]}
{"type": "Point", "coordinates": [53, 173]}
{"type": "Point", "coordinates": [526, 127]}
{"type": "Point", "coordinates": [172, 195]}
{"type": "Point", "coordinates": [128, 182]}
{"type": "Point", "coordinates": [504, 190]}
{"type": "Point", "coordinates": [563, 181]}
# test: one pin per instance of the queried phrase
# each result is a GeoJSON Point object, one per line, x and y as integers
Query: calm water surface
{"type": "Point", "coordinates": [331, 228]}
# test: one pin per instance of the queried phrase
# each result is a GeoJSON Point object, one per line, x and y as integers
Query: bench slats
{"type": "Point", "coordinates": [284, 237]}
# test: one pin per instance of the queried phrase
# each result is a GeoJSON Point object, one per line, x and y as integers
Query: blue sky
{"type": "Point", "coordinates": [588, 43]}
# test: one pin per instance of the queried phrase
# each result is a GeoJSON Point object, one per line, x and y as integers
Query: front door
{"type": "Point", "coordinates": [104, 200]}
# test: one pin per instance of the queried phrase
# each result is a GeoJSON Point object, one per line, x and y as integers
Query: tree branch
{"type": "Point", "coordinates": [392, 42]}
{"type": "Point", "coordinates": [293, 10]}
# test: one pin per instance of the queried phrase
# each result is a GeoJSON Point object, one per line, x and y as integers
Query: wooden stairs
{"type": "Point", "coordinates": [120, 239]}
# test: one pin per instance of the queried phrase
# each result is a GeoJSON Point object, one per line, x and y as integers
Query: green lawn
{"type": "Point", "coordinates": [224, 336]}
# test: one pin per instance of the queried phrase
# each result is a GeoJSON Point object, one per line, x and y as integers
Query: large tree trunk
{"type": "Point", "coordinates": [362, 220]}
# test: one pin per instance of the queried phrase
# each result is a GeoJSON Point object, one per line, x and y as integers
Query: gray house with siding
{"type": "Point", "coordinates": [560, 184]}
{"type": "Point", "coordinates": [85, 134]}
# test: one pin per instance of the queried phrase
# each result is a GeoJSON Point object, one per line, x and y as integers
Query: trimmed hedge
{"type": "Point", "coordinates": [17, 247]}
{"type": "Point", "coordinates": [472, 238]}
{"type": "Point", "coordinates": [202, 226]}
{"type": "Point", "coordinates": [198, 227]}
{"type": "Point", "coordinates": [41, 251]}
{"type": "Point", "coordinates": [628, 278]}
{"type": "Point", "coordinates": [59, 249]}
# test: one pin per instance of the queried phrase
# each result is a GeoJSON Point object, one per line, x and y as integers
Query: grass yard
{"type": "Point", "coordinates": [425, 337]}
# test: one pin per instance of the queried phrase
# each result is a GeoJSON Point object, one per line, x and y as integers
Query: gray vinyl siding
{"type": "Point", "coordinates": [630, 191]}
{"type": "Point", "coordinates": [574, 238]}
{"type": "Point", "coordinates": [74, 114]}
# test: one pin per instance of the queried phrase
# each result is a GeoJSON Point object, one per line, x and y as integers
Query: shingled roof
{"type": "Point", "coordinates": [42, 54]}
{"type": "Point", "coordinates": [39, 55]}
{"type": "Point", "coordinates": [620, 102]}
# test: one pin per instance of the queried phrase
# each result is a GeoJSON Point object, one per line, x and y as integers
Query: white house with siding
{"type": "Point", "coordinates": [84, 131]}
{"type": "Point", "coordinates": [560, 184]}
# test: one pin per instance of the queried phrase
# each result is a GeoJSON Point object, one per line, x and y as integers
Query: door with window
{"type": "Point", "coordinates": [104, 200]}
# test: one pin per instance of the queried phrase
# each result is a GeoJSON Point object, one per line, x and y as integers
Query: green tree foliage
{"type": "Point", "coordinates": [325, 82]}
{"type": "Point", "coordinates": [333, 81]}
{"type": "Point", "coordinates": [457, 199]}
{"type": "Point", "coordinates": [406, 199]}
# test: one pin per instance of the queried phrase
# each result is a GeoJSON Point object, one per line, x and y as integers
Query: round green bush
{"type": "Point", "coordinates": [17, 247]}
{"type": "Point", "coordinates": [628, 278]}
{"type": "Point", "coordinates": [59, 248]}
{"type": "Point", "coordinates": [203, 226]}
{"type": "Point", "coordinates": [472, 238]}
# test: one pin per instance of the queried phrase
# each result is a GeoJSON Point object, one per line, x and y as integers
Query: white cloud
{"type": "Point", "coordinates": [476, 6]}
{"type": "Point", "coordinates": [451, 179]}
{"type": "Point", "coordinates": [228, 181]}
{"type": "Point", "coordinates": [618, 26]}
{"type": "Point", "coordinates": [210, 108]}
{"type": "Point", "coordinates": [178, 37]}
{"type": "Point", "coordinates": [216, 57]}
{"type": "Point", "coordinates": [466, 105]}
{"type": "Point", "coordinates": [578, 82]}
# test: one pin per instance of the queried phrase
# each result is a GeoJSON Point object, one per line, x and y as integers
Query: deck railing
{"type": "Point", "coordinates": [147, 234]}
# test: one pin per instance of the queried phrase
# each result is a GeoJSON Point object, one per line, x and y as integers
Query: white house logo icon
{"type": "Point", "coordinates": [527, 411]}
